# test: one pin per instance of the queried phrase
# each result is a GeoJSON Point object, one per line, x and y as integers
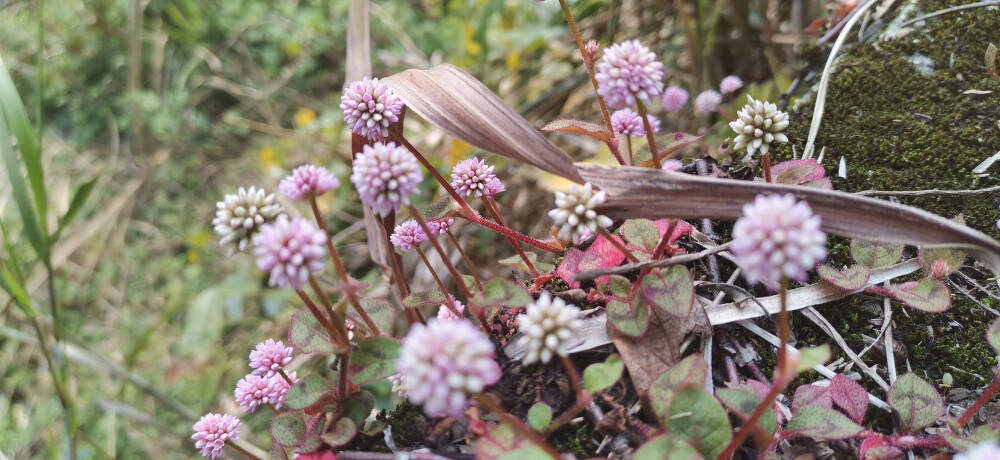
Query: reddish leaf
{"type": "Point", "coordinates": [680, 229]}
{"type": "Point", "coordinates": [669, 289]}
{"type": "Point", "coordinates": [853, 278]}
{"type": "Point", "coordinates": [927, 295]}
{"type": "Point", "coordinates": [587, 128]}
{"type": "Point", "coordinates": [569, 267]}
{"type": "Point", "coordinates": [877, 447]}
{"type": "Point", "coordinates": [601, 254]}
{"type": "Point", "coordinates": [812, 396]}
{"type": "Point", "coordinates": [849, 396]}
{"type": "Point", "coordinates": [821, 423]}
{"type": "Point", "coordinates": [806, 173]}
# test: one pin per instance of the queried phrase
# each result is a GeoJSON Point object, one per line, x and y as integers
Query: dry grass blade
{"type": "Point", "coordinates": [991, 62]}
{"type": "Point", "coordinates": [465, 108]}
{"type": "Point", "coordinates": [652, 194]}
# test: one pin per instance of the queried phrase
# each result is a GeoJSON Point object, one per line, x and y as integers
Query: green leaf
{"type": "Point", "coordinates": [853, 278]}
{"type": "Point", "coordinates": [919, 405]}
{"type": "Point", "coordinates": [29, 214]}
{"type": "Point", "coordinates": [875, 254]}
{"type": "Point", "coordinates": [437, 209]}
{"type": "Point", "coordinates": [515, 261]}
{"type": "Point", "coordinates": [16, 290]}
{"type": "Point", "coordinates": [420, 299]}
{"type": "Point", "coordinates": [27, 143]}
{"type": "Point", "coordinates": [358, 407]}
{"type": "Point", "coordinates": [601, 376]}
{"type": "Point", "coordinates": [307, 336]}
{"type": "Point", "coordinates": [539, 416]}
{"type": "Point", "coordinates": [374, 427]}
{"type": "Point", "coordinates": [691, 371]}
{"type": "Point", "coordinates": [927, 295]}
{"type": "Point", "coordinates": [620, 286]}
{"type": "Point", "coordinates": [205, 316]}
{"type": "Point", "coordinates": [743, 402]}
{"type": "Point", "coordinates": [342, 432]}
{"type": "Point", "coordinates": [79, 199]}
{"type": "Point", "coordinates": [288, 429]}
{"type": "Point", "coordinates": [631, 320]}
{"type": "Point", "coordinates": [698, 418]}
{"type": "Point", "coordinates": [666, 144]}
{"type": "Point", "coordinates": [993, 336]}
{"type": "Point", "coordinates": [810, 357]}
{"type": "Point", "coordinates": [306, 392]}
{"type": "Point", "coordinates": [374, 360]}
{"type": "Point", "coordinates": [641, 233]}
{"type": "Point", "coordinates": [822, 423]}
{"type": "Point", "coordinates": [499, 292]}
{"type": "Point", "coordinates": [670, 289]}
{"type": "Point", "coordinates": [382, 313]}
{"type": "Point", "coordinates": [664, 447]}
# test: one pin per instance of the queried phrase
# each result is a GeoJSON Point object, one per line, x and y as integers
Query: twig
{"type": "Point", "coordinates": [890, 356]}
{"type": "Point", "coordinates": [625, 269]}
{"type": "Point", "coordinates": [938, 192]}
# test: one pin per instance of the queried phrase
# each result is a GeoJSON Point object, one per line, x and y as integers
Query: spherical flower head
{"type": "Point", "coordinates": [707, 101]}
{"type": "Point", "coordinates": [440, 226]}
{"type": "Point", "coordinates": [280, 387]}
{"type": "Point", "coordinates": [253, 391]}
{"type": "Point", "coordinates": [778, 237]}
{"type": "Point", "coordinates": [472, 177]}
{"type": "Point", "coordinates": [407, 235]}
{"type": "Point", "coordinates": [730, 84]}
{"type": "Point", "coordinates": [674, 98]}
{"type": "Point", "coordinates": [239, 217]}
{"type": "Point", "coordinates": [369, 106]}
{"type": "Point", "coordinates": [547, 325]}
{"type": "Point", "coordinates": [307, 181]}
{"type": "Point", "coordinates": [672, 165]}
{"type": "Point", "coordinates": [575, 214]}
{"type": "Point", "coordinates": [986, 450]}
{"type": "Point", "coordinates": [385, 176]}
{"type": "Point", "coordinates": [759, 124]}
{"type": "Point", "coordinates": [627, 123]}
{"type": "Point", "coordinates": [442, 362]}
{"type": "Point", "coordinates": [212, 431]}
{"type": "Point", "coordinates": [269, 357]}
{"type": "Point", "coordinates": [445, 313]}
{"type": "Point", "coordinates": [628, 70]}
{"type": "Point", "coordinates": [290, 250]}
{"type": "Point", "coordinates": [495, 187]}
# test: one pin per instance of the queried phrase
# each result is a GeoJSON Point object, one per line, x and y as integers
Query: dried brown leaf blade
{"type": "Point", "coordinates": [653, 194]}
{"type": "Point", "coordinates": [466, 109]}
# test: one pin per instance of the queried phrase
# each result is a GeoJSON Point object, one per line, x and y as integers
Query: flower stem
{"type": "Point", "coordinates": [628, 254]}
{"type": "Point", "coordinates": [491, 208]}
{"type": "Point", "coordinates": [398, 137]}
{"type": "Point", "coordinates": [241, 450]}
{"type": "Point", "coordinates": [580, 405]}
{"type": "Point", "coordinates": [433, 273]}
{"type": "Point", "coordinates": [980, 402]}
{"type": "Point", "coordinates": [343, 386]}
{"type": "Point", "coordinates": [574, 375]}
{"type": "Point", "coordinates": [650, 135]}
{"type": "Point", "coordinates": [357, 307]}
{"type": "Point", "coordinates": [628, 142]}
{"type": "Point", "coordinates": [465, 258]}
{"type": "Point", "coordinates": [474, 218]}
{"type": "Point", "coordinates": [586, 61]}
{"type": "Point", "coordinates": [517, 425]}
{"type": "Point", "coordinates": [285, 376]}
{"type": "Point", "coordinates": [665, 241]}
{"type": "Point", "coordinates": [335, 333]}
{"type": "Point", "coordinates": [444, 256]}
{"type": "Point", "coordinates": [767, 167]}
{"type": "Point", "coordinates": [397, 272]}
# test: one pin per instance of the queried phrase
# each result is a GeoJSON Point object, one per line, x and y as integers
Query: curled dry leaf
{"type": "Point", "coordinates": [465, 108]}
{"type": "Point", "coordinates": [652, 194]}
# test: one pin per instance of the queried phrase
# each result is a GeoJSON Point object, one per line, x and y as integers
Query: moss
{"type": "Point", "coordinates": [577, 439]}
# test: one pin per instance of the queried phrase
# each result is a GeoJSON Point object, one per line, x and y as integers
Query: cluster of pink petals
{"type": "Point", "coordinates": [441, 226]}
{"type": "Point", "coordinates": [269, 357]}
{"type": "Point", "coordinates": [369, 106]}
{"type": "Point", "coordinates": [407, 235]}
{"type": "Point", "coordinates": [707, 101]}
{"type": "Point", "coordinates": [628, 70]}
{"type": "Point", "coordinates": [654, 123]}
{"type": "Point", "coordinates": [474, 177]}
{"type": "Point", "coordinates": [592, 48]}
{"type": "Point", "coordinates": [212, 431]}
{"type": "Point", "coordinates": [672, 165]}
{"type": "Point", "coordinates": [385, 176]}
{"type": "Point", "coordinates": [628, 123]}
{"type": "Point", "coordinates": [442, 362]}
{"type": "Point", "coordinates": [290, 250]}
{"type": "Point", "coordinates": [674, 98]}
{"type": "Point", "coordinates": [307, 181]}
{"type": "Point", "coordinates": [778, 237]}
{"type": "Point", "coordinates": [730, 84]}
{"type": "Point", "coordinates": [254, 391]}
{"type": "Point", "coordinates": [445, 313]}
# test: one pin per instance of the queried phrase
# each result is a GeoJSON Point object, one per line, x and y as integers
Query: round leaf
{"type": "Point", "coordinates": [288, 429]}
{"type": "Point", "coordinates": [540, 416]}
{"type": "Point", "coordinates": [670, 289]}
{"type": "Point", "coordinates": [917, 402]}
{"type": "Point", "coordinates": [601, 376]}
{"type": "Point", "coordinates": [822, 423]}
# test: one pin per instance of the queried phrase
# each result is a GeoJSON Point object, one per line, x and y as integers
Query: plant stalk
{"type": "Point", "coordinates": [980, 401]}
{"type": "Point", "coordinates": [650, 135]}
{"type": "Point", "coordinates": [586, 62]}
{"type": "Point", "coordinates": [398, 137]}
{"type": "Point", "coordinates": [518, 425]}
{"type": "Point", "coordinates": [465, 258]}
{"type": "Point", "coordinates": [491, 208]}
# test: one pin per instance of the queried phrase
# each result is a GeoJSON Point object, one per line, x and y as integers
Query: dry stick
{"type": "Point", "coordinates": [492, 209]}
{"type": "Point", "coordinates": [587, 63]}
{"type": "Point", "coordinates": [511, 233]}
{"type": "Point", "coordinates": [465, 258]}
{"type": "Point", "coordinates": [517, 425]}
{"type": "Point", "coordinates": [890, 355]}
{"type": "Point", "coordinates": [650, 135]}
{"type": "Point", "coordinates": [767, 167]}
{"type": "Point", "coordinates": [929, 192]}
{"type": "Point", "coordinates": [626, 269]}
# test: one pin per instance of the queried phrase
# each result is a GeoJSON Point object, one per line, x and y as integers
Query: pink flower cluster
{"type": "Point", "coordinates": [290, 250]}
{"type": "Point", "coordinates": [627, 71]}
{"type": "Point", "coordinates": [307, 181]}
{"type": "Point", "coordinates": [445, 313]}
{"type": "Point", "coordinates": [254, 391]}
{"type": "Point", "coordinates": [475, 177]}
{"type": "Point", "coordinates": [407, 235]}
{"type": "Point", "coordinates": [212, 431]}
{"type": "Point", "coordinates": [270, 357]}
{"type": "Point", "coordinates": [369, 106]}
{"type": "Point", "coordinates": [707, 102]}
{"type": "Point", "coordinates": [778, 237]}
{"type": "Point", "coordinates": [441, 226]}
{"type": "Point", "coordinates": [385, 176]}
{"type": "Point", "coordinates": [730, 84]}
{"type": "Point", "coordinates": [674, 98]}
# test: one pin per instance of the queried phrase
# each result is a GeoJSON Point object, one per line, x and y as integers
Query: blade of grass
{"type": "Point", "coordinates": [27, 142]}
{"type": "Point", "coordinates": [79, 199]}
{"type": "Point", "coordinates": [29, 218]}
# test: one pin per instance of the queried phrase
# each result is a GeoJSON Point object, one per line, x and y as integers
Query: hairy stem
{"type": "Point", "coordinates": [465, 258]}
{"type": "Point", "coordinates": [491, 208]}
{"type": "Point", "coordinates": [335, 333]}
{"type": "Point", "coordinates": [980, 402]}
{"type": "Point", "coordinates": [474, 218]}
{"type": "Point", "coordinates": [518, 425]}
{"type": "Point", "coordinates": [767, 167]}
{"type": "Point", "coordinates": [586, 62]}
{"type": "Point", "coordinates": [398, 137]}
{"type": "Point", "coordinates": [437, 279]}
{"type": "Point", "coordinates": [650, 135]}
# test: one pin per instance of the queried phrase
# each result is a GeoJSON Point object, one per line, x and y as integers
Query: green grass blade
{"type": "Point", "coordinates": [29, 218]}
{"type": "Point", "coordinates": [79, 199]}
{"type": "Point", "coordinates": [31, 152]}
{"type": "Point", "coordinates": [16, 290]}
{"type": "Point", "coordinates": [14, 262]}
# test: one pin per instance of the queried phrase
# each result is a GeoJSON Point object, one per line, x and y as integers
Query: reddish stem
{"type": "Point", "coordinates": [650, 135]}
{"type": "Point", "coordinates": [335, 334]}
{"type": "Point", "coordinates": [398, 137]}
{"type": "Point", "coordinates": [433, 273]}
{"type": "Point", "coordinates": [491, 208]}
{"type": "Point", "coordinates": [767, 167]}
{"type": "Point", "coordinates": [518, 425]}
{"type": "Point", "coordinates": [980, 402]}
{"type": "Point", "coordinates": [588, 64]}
{"type": "Point", "coordinates": [563, 419]}
{"type": "Point", "coordinates": [472, 217]}
{"type": "Point", "coordinates": [465, 258]}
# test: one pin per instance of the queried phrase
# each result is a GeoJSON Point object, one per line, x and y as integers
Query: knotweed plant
{"type": "Point", "coordinates": [468, 360]}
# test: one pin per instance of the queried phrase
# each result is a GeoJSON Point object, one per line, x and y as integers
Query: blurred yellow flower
{"type": "Point", "coordinates": [470, 42]}
{"type": "Point", "coordinates": [292, 49]}
{"type": "Point", "coordinates": [513, 59]}
{"type": "Point", "coordinates": [459, 151]}
{"type": "Point", "coordinates": [304, 117]}
{"type": "Point", "coordinates": [268, 158]}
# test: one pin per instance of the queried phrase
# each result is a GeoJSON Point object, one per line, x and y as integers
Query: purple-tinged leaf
{"type": "Point", "coordinates": [307, 336]}
{"type": "Point", "coordinates": [993, 335]}
{"type": "Point", "coordinates": [499, 292]}
{"type": "Point", "coordinates": [587, 128]}
{"type": "Point", "coordinates": [629, 318]}
{"type": "Point", "coordinates": [374, 360]}
{"type": "Point", "coordinates": [681, 228]}
{"type": "Point", "coordinates": [342, 432]}
{"type": "Point", "coordinates": [665, 446]}
{"type": "Point", "coordinates": [927, 295]}
{"type": "Point", "coordinates": [437, 209]}
{"type": "Point", "coordinates": [850, 396]}
{"type": "Point", "coordinates": [822, 423]}
{"type": "Point", "coordinates": [641, 233]}
{"type": "Point", "coordinates": [875, 254]}
{"type": "Point", "coordinates": [806, 173]}
{"type": "Point", "coordinates": [939, 263]}
{"type": "Point", "coordinates": [288, 429]}
{"type": "Point", "coordinates": [420, 299]}
{"type": "Point", "coordinates": [698, 418]}
{"type": "Point", "coordinates": [381, 311]}
{"type": "Point", "coordinates": [691, 371]}
{"type": "Point", "coordinates": [601, 254]}
{"type": "Point", "coordinates": [569, 267]}
{"type": "Point", "coordinates": [669, 289]}
{"type": "Point", "coordinates": [877, 447]}
{"type": "Point", "coordinates": [853, 278]}
{"type": "Point", "coordinates": [620, 286]}
{"type": "Point", "coordinates": [919, 405]}
{"type": "Point", "coordinates": [307, 392]}
{"type": "Point", "coordinates": [499, 440]}
{"type": "Point", "coordinates": [811, 396]}
{"type": "Point", "coordinates": [667, 144]}
{"type": "Point", "coordinates": [358, 407]}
